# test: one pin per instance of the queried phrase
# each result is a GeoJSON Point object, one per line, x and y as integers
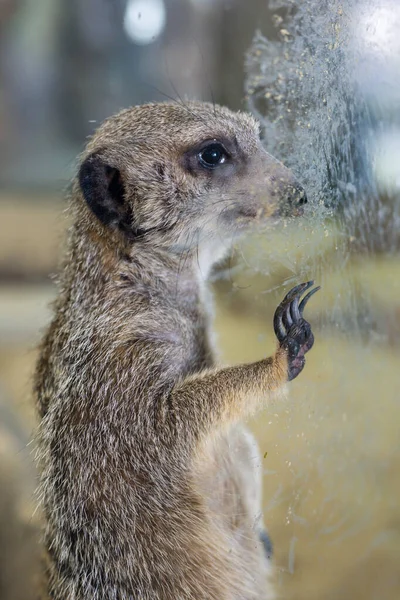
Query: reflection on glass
{"type": "Point", "coordinates": [144, 20]}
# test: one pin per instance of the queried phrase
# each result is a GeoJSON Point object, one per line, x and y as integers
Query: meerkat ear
{"type": "Point", "coordinates": [103, 189]}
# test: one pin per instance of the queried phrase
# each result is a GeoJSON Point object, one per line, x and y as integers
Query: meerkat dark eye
{"type": "Point", "coordinates": [212, 156]}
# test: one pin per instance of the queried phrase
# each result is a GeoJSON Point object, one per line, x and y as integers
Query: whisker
{"type": "Point", "coordinates": [165, 55]}
{"type": "Point", "coordinates": [207, 77]}
{"type": "Point", "coordinates": [175, 90]}
{"type": "Point", "coordinates": [179, 264]}
{"type": "Point", "coordinates": [165, 94]}
{"type": "Point", "coordinates": [189, 251]}
{"type": "Point", "coordinates": [197, 252]}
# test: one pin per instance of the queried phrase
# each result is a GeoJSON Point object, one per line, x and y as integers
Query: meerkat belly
{"type": "Point", "coordinates": [228, 474]}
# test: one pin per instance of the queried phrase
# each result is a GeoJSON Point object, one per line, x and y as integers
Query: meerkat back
{"type": "Point", "coordinates": [149, 481]}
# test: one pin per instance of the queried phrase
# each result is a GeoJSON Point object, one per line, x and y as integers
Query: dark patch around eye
{"type": "Point", "coordinates": [209, 156]}
{"type": "Point", "coordinates": [212, 155]}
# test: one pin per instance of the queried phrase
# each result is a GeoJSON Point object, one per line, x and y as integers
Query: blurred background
{"type": "Point", "coordinates": [331, 454]}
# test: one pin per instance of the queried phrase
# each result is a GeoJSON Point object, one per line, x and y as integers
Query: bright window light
{"type": "Point", "coordinates": [144, 20]}
{"type": "Point", "coordinates": [379, 27]}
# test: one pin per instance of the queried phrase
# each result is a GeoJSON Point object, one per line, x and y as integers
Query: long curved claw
{"type": "Point", "coordinates": [294, 309]}
{"type": "Point", "coordinates": [306, 299]}
{"type": "Point", "coordinates": [279, 328]}
{"type": "Point", "coordinates": [283, 318]}
{"type": "Point", "coordinates": [292, 330]}
{"type": "Point", "coordinates": [299, 289]}
{"type": "Point", "coordinates": [287, 317]}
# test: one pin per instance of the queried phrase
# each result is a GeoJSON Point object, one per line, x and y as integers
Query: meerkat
{"type": "Point", "coordinates": [149, 482]}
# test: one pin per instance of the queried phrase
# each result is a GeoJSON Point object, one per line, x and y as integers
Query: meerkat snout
{"type": "Point", "coordinates": [296, 198]}
{"type": "Point", "coordinates": [297, 195]}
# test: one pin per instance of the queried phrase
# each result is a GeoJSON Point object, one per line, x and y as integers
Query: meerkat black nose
{"type": "Point", "coordinates": [293, 200]}
{"type": "Point", "coordinates": [303, 198]}
{"type": "Point", "coordinates": [297, 195]}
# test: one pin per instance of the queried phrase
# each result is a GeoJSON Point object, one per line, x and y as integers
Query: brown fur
{"type": "Point", "coordinates": [149, 484]}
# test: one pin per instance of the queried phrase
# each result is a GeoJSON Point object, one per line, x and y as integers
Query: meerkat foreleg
{"type": "Point", "coordinates": [232, 393]}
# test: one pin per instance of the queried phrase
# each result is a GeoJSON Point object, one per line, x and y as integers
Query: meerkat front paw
{"type": "Point", "coordinates": [293, 332]}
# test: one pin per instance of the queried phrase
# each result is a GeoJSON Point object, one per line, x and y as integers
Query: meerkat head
{"type": "Point", "coordinates": [181, 176]}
